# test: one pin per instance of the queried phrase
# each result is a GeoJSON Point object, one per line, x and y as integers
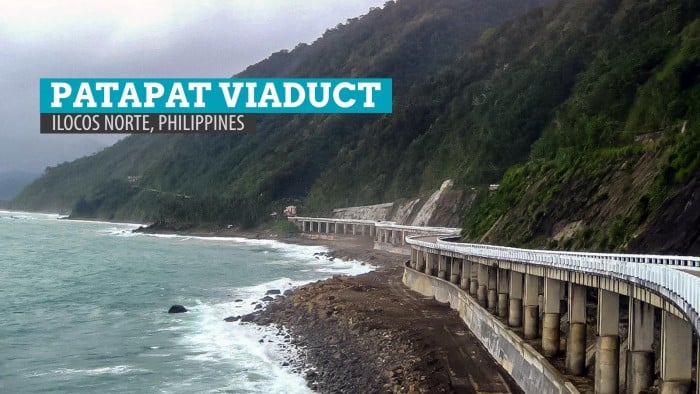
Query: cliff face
{"type": "Point", "coordinates": [442, 208]}
{"type": "Point", "coordinates": [675, 228]}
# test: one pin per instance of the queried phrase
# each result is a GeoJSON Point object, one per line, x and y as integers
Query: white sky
{"type": "Point", "coordinates": [135, 38]}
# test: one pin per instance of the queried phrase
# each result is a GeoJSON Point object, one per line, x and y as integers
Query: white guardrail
{"type": "Point", "coordinates": [657, 273]}
{"type": "Point", "coordinates": [384, 225]}
{"type": "Point", "coordinates": [331, 220]}
{"type": "Point", "coordinates": [418, 229]}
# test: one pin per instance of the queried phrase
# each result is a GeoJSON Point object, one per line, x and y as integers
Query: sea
{"type": "Point", "coordinates": [83, 309]}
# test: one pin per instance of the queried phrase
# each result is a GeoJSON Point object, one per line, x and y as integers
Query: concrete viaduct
{"type": "Point", "coordinates": [387, 236]}
{"type": "Point", "coordinates": [528, 307]}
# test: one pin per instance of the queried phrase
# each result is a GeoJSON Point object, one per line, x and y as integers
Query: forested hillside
{"type": "Point", "coordinates": [239, 179]}
{"type": "Point", "coordinates": [606, 171]}
{"type": "Point", "coordinates": [584, 111]}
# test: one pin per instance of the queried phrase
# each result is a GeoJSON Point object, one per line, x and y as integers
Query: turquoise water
{"type": "Point", "coordinates": [84, 309]}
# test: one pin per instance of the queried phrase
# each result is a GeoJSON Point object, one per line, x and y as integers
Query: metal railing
{"type": "Point", "coordinates": [419, 229]}
{"type": "Point", "coordinates": [331, 220]}
{"type": "Point", "coordinates": [658, 273]}
{"type": "Point", "coordinates": [382, 225]}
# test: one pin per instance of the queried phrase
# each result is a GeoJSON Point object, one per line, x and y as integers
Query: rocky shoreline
{"type": "Point", "coordinates": [368, 333]}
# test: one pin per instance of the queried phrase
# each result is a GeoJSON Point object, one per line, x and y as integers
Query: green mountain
{"type": "Point", "coordinates": [585, 112]}
{"type": "Point", "coordinates": [239, 179]}
{"type": "Point", "coordinates": [616, 166]}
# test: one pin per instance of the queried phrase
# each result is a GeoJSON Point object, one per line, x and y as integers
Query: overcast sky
{"type": "Point", "coordinates": [135, 38]}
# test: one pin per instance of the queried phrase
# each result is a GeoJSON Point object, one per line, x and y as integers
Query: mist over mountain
{"type": "Point", "coordinates": [241, 178]}
{"type": "Point", "coordinates": [585, 113]}
{"type": "Point", "coordinates": [12, 183]}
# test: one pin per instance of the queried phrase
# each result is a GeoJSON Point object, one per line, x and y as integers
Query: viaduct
{"type": "Point", "coordinates": [631, 317]}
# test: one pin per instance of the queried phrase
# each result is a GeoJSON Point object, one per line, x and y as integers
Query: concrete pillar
{"type": "Point", "coordinates": [576, 340]}
{"type": "Point", "coordinates": [442, 266]}
{"type": "Point", "coordinates": [448, 267]}
{"type": "Point", "coordinates": [483, 280]}
{"type": "Point", "coordinates": [454, 272]}
{"type": "Point", "coordinates": [607, 360]}
{"type": "Point", "coordinates": [465, 275]}
{"type": "Point", "coordinates": [473, 279]}
{"type": "Point", "coordinates": [531, 318]}
{"type": "Point", "coordinates": [515, 305]}
{"type": "Point", "coordinates": [676, 354]}
{"type": "Point", "coordinates": [550, 322]}
{"type": "Point", "coordinates": [372, 230]}
{"type": "Point", "coordinates": [492, 295]}
{"type": "Point", "coordinates": [502, 276]}
{"type": "Point", "coordinates": [420, 261]}
{"type": "Point", "coordinates": [640, 357]}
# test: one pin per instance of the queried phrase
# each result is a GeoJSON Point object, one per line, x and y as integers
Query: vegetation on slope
{"type": "Point", "coordinates": [623, 142]}
{"type": "Point", "coordinates": [586, 113]}
{"type": "Point", "coordinates": [239, 179]}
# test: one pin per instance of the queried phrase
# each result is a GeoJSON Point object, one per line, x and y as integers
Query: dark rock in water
{"type": "Point", "coordinates": [177, 309]}
{"type": "Point", "coordinates": [273, 291]}
{"type": "Point", "coordinates": [232, 318]}
{"type": "Point", "coordinates": [259, 306]}
{"type": "Point", "coordinates": [238, 300]}
{"type": "Point", "coordinates": [247, 318]}
{"type": "Point", "coordinates": [267, 299]}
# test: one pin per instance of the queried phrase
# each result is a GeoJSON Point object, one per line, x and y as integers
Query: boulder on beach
{"type": "Point", "coordinates": [267, 299]}
{"type": "Point", "coordinates": [273, 291]}
{"type": "Point", "coordinates": [177, 309]}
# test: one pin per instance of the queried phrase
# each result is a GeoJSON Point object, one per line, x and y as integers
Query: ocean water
{"type": "Point", "coordinates": [83, 309]}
